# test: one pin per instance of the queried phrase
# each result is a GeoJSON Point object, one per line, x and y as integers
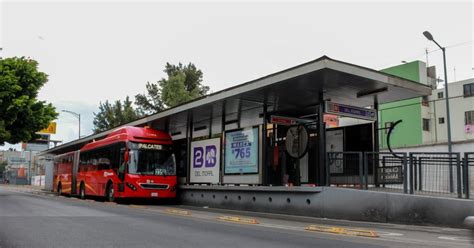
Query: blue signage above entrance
{"type": "Point", "coordinates": [350, 111]}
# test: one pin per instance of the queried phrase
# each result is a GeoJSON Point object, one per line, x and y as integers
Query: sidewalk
{"type": "Point", "coordinates": [27, 188]}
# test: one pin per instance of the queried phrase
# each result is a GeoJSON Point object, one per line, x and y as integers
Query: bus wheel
{"type": "Point", "coordinates": [110, 193]}
{"type": "Point", "coordinates": [82, 191]}
{"type": "Point", "coordinates": [60, 189]}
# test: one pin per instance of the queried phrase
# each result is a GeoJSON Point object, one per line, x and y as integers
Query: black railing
{"type": "Point", "coordinates": [468, 173]}
{"type": "Point", "coordinates": [345, 169]}
{"type": "Point", "coordinates": [429, 173]}
{"type": "Point", "coordinates": [436, 173]}
{"type": "Point", "coordinates": [386, 170]}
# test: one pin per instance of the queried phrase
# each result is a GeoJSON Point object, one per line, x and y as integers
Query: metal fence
{"type": "Point", "coordinates": [386, 171]}
{"type": "Point", "coordinates": [345, 169]}
{"type": "Point", "coordinates": [429, 173]}
{"type": "Point", "coordinates": [436, 174]}
{"type": "Point", "coordinates": [468, 174]}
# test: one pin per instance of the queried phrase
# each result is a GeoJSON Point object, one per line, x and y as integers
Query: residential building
{"type": "Point", "coordinates": [424, 122]}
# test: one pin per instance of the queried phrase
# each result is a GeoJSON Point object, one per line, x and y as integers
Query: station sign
{"type": "Point", "coordinates": [51, 129]}
{"type": "Point", "coordinates": [205, 161]}
{"type": "Point", "coordinates": [390, 175]}
{"type": "Point", "coordinates": [287, 121]}
{"type": "Point", "coordinates": [350, 111]}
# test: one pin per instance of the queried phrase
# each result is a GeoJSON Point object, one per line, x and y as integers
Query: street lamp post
{"type": "Point", "coordinates": [78, 116]}
{"type": "Point", "coordinates": [448, 119]}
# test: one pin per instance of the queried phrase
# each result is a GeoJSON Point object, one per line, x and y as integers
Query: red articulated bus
{"type": "Point", "coordinates": [131, 162]}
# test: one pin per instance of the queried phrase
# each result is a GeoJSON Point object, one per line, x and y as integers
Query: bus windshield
{"type": "Point", "coordinates": [151, 159]}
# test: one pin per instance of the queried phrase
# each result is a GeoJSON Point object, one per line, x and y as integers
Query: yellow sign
{"type": "Point", "coordinates": [51, 129]}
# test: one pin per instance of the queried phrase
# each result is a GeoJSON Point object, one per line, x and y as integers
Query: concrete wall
{"type": "Point", "coordinates": [334, 203]}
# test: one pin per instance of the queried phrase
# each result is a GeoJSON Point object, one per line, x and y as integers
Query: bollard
{"type": "Point", "coordinates": [469, 223]}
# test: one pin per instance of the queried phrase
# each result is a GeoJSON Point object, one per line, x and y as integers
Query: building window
{"type": "Point", "coordinates": [387, 126]}
{"type": "Point", "coordinates": [469, 117]}
{"type": "Point", "coordinates": [468, 90]}
{"type": "Point", "coordinates": [440, 95]}
{"type": "Point", "coordinates": [425, 101]}
{"type": "Point", "coordinates": [441, 120]}
{"type": "Point", "coordinates": [426, 124]}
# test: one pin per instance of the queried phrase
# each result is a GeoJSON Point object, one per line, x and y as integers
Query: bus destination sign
{"type": "Point", "coordinates": [150, 146]}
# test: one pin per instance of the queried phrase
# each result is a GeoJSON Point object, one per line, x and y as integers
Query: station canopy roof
{"type": "Point", "coordinates": [296, 89]}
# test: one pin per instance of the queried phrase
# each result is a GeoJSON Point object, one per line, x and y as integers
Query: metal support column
{"type": "Point", "coordinates": [210, 122]}
{"type": "Point", "coordinates": [376, 141]}
{"type": "Point", "coordinates": [264, 146]}
{"type": "Point", "coordinates": [189, 136]}
{"type": "Point", "coordinates": [221, 174]}
{"type": "Point", "coordinates": [323, 165]}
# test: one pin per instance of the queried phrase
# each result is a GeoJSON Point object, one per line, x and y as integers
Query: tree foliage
{"type": "Point", "coordinates": [183, 83]}
{"type": "Point", "coordinates": [113, 115]}
{"type": "Point", "coordinates": [3, 165]}
{"type": "Point", "coordinates": [21, 113]}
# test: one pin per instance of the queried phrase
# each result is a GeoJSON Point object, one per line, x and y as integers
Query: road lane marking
{"type": "Point", "coordinates": [456, 238]}
{"type": "Point", "coordinates": [342, 231]}
{"type": "Point", "coordinates": [391, 234]}
{"type": "Point", "coordinates": [177, 211]}
{"type": "Point", "coordinates": [237, 219]}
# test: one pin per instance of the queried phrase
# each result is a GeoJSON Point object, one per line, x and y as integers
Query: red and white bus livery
{"type": "Point", "coordinates": [131, 162]}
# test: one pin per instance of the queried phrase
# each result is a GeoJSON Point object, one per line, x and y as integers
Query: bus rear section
{"type": "Point", "coordinates": [64, 173]}
{"type": "Point", "coordinates": [131, 162]}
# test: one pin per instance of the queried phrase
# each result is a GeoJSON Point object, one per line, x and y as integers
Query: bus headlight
{"type": "Point", "coordinates": [131, 186]}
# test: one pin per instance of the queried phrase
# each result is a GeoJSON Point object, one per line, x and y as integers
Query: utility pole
{"type": "Point", "coordinates": [448, 119]}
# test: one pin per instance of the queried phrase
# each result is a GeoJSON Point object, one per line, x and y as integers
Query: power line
{"type": "Point", "coordinates": [427, 52]}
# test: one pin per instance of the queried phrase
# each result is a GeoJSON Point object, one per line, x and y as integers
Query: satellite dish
{"type": "Point", "coordinates": [297, 141]}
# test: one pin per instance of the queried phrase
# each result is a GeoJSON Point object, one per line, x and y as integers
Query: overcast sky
{"type": "Point", "coordinates": [98, 51]}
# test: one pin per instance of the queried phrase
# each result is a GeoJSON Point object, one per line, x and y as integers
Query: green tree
{"type": "Point", "coordinates": [113, 115]}
{"type": "Point", "coordinates": [183, 83]}
{"type": "Point", "coordinates": [3, 165]}
{"type": "Point", "coordinates": [21, 114]}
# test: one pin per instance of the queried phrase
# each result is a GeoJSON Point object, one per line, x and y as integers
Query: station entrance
{"type": "Point", "coordinates": [297, 151]}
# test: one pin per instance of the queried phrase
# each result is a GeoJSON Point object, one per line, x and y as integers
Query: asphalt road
{"type": "Point", "coordinates": [31, 219]}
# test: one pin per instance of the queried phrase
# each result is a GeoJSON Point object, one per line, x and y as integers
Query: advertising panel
{"type": "Point", "coordinates": [205, 161]}
{"type": "Point", "coordinates": [241, 151]}
{"type": "Point", "coordinates": [51, 129]}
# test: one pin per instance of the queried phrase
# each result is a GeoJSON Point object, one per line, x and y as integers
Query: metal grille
{"type": "Point", "coordinates": [153, 186]}
{"type": "Point", "coordinates": [345, 169]}
{"type": "Point", "coordinates": [435, 174]}
{"type": "Point", "coordinates": [468, 174]}
{"type": "Point", "coordinates": [386, 171]}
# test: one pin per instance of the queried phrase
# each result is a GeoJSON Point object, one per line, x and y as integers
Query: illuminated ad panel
{"type": "Point", "coordinates": [241, 151]}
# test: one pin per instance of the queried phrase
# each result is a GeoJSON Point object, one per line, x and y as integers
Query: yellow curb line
{"type": "Point", "coordinates": [342, 231]}
{"type": "Point", "coordinates": [177, 211]}
{"type": "Point", "coordinates": [238, 219]}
